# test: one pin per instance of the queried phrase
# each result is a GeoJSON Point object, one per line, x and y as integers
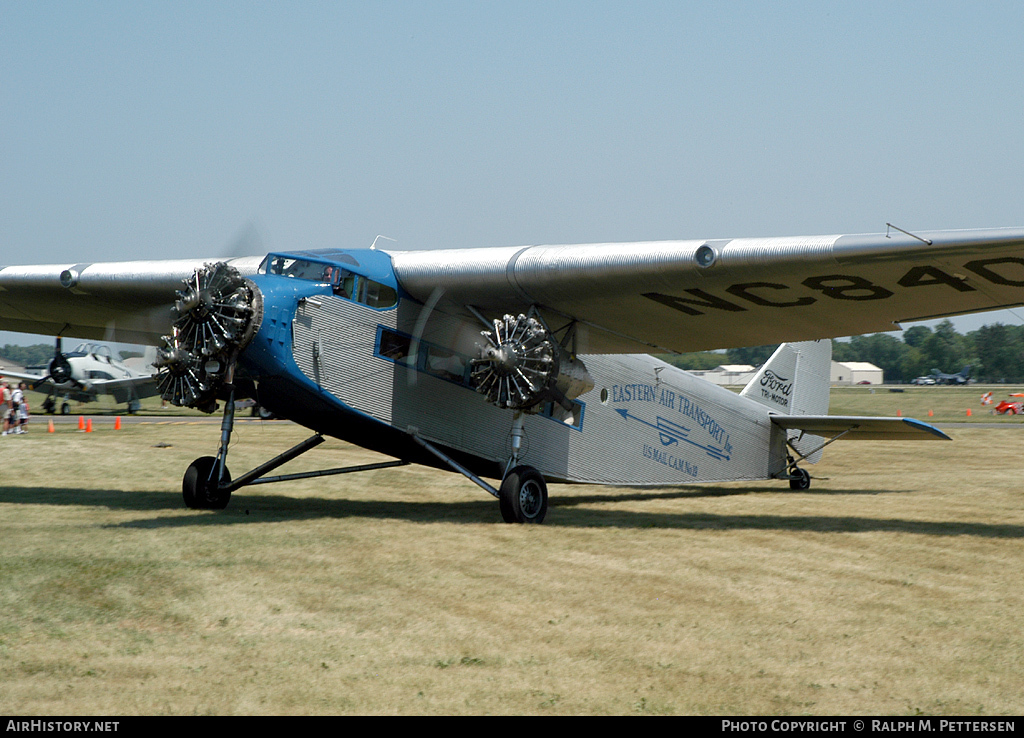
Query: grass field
{"type": "Point", "coordinates": [893, 586]}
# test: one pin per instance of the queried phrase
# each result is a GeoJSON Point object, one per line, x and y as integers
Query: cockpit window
{"type": "Point", "coordinates": [298, 268]}
{"type": "Point", "coordinates": [343, 282]}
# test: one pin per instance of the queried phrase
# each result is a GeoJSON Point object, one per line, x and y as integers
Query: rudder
{"type": "Point", "coordinates": [795, 381]}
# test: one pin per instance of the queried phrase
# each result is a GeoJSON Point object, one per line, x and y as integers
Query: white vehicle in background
{"type": "Point", "coordinates": [83, 375]}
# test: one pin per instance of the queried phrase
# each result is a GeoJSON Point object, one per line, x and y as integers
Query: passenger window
{"type": "Point", "coordinates": [394, 346]}
{"type": "Point", "coordinates": [445, 364]}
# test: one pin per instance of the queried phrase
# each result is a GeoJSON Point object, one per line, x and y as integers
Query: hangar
{"type": "Point", "coordinates": [855, 372]}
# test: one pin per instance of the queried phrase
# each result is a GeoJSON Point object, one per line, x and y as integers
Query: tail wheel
{"type": "Point", "coordinates": [801, 479]}
{"type": "Point", "coordinates": [523, 496]}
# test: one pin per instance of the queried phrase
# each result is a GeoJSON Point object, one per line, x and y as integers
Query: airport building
{"type": "Point", "coordinates": [855, 372]}
{"type": "Point", "coordinates": [727, 374]}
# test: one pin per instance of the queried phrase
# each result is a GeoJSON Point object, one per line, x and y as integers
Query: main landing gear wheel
{"type": "Point", "coordinates": [801, 479]}
{"type": "Point", "coordinates": [524, 496]}
{"type": "Point", "coordinates": [200, 489]}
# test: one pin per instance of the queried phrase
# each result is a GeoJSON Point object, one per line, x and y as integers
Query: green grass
{"type": "Point", "coordinates": [891, 587]}
{"type": "Point", "coordinates": [948, 404]}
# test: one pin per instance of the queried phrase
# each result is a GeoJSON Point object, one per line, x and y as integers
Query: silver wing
{"type": "Point", "coordinates": [624, 298]}
{"type": "Point", "coordinates": [122, 301]}
{"type": "Point", "coordinates": [699, 295]}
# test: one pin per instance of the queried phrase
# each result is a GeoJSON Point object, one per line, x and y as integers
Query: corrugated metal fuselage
{"type": "Point", "coordinates": [375, 376]}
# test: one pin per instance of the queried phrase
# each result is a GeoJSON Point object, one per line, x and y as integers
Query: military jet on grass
{"type": "Point", "coordinates": [83, 375]}
{"type": "Point", "coordinates": [515, 366]}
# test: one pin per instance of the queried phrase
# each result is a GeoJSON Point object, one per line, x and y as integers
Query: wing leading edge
{"type": "Point", "coordinates": [701, 295]}
{"type": "Point", "coordinates": [662, 296]}
{"type": "Point", "coordinates": [124, 301]}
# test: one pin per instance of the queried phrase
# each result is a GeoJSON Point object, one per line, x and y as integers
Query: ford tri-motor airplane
{"type": "Point", "coordinates": [524, 364]}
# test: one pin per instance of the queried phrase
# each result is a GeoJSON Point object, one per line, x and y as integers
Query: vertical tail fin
{"type": "Point", "coordinates": [795, 381]}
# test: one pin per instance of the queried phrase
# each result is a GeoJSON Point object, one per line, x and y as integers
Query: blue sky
{"type": "Point", "coordinates": [152, 130]}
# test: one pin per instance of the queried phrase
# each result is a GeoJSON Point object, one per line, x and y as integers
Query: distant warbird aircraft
{"type": "Point", "coordinates": [523, 364]}
{"type": "Point", "coordinates": [83, 375]}
{"type": "Point", "coordinates": [961, 377]}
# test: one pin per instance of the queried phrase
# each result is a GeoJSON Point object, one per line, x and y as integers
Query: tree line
{"type": "Point", "coordinates": [40, 353]}
{"type": "Point", "coordinates": [995, 353]}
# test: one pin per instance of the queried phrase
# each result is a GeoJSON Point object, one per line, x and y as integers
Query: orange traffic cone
{"type": "Point", "coordinates": [88, 426]}
{"type": "Point", "coordinates": [81, 422]}
{"type": "Point", "coordinates": [968, 412]}
{"type": "Point", "coordinates": [899, 413]}
{"type": "Point", "coordinates": [49, 428]}
{"type": "Point", "coordinates": [930, 413]}
{"type": "Point", "coordinates": [117, 423]}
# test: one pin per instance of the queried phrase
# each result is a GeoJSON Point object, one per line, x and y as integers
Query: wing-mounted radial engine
{"type": "Point", "coordinates": [216, 316]}
{"type": "Point", "coordinates": [521, 368]}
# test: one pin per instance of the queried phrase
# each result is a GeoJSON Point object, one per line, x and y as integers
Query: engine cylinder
{"type": "Point", "coordinates": [216, 316]}
{"type": "Point", "coordinates": [522, 366]}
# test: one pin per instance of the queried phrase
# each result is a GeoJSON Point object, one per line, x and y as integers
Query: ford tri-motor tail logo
{"type": "Point", "coordinates": [775, 388]}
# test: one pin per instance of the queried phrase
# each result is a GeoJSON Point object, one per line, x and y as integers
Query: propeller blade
{"type": "Point", "coordinates": [417, 333]}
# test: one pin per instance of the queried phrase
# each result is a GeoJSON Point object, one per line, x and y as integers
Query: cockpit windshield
{"type": "Point", "coordinates": [343, 282]}
{"type": "Point", "coordinates": [286, 266]}
{"type": "Point", "coordinates": [96, 349]}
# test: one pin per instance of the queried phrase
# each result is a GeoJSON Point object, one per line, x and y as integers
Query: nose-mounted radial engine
{"type": "Point", "coordinates": [522, 367]}
{"type": "Point", "coordinates": [217, 314]}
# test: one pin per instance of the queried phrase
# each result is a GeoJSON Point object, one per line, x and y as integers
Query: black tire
{"type": "Point", "coordinates": [524, 496]}
{"type": "Point", "coordinates": [65, 409]}
{"type": "Point", "coordinates": [197, 489]}
{"type": "Point", "coordinates": [801, 481]}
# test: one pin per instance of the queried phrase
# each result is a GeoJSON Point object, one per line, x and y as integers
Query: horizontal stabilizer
{"type": "Point", "coordinates": [861, 428]}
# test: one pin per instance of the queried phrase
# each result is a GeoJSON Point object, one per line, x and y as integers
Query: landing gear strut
{"type": "Point", "coordinates": [207, 484]}
{"type": "Point", "coordinates": [523, 497]}
{"type": "Point", "coordinates": [799, 479]}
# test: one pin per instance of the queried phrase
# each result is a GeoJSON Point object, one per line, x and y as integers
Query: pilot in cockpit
{"type": "Point", "coordinates": [335, 276]}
